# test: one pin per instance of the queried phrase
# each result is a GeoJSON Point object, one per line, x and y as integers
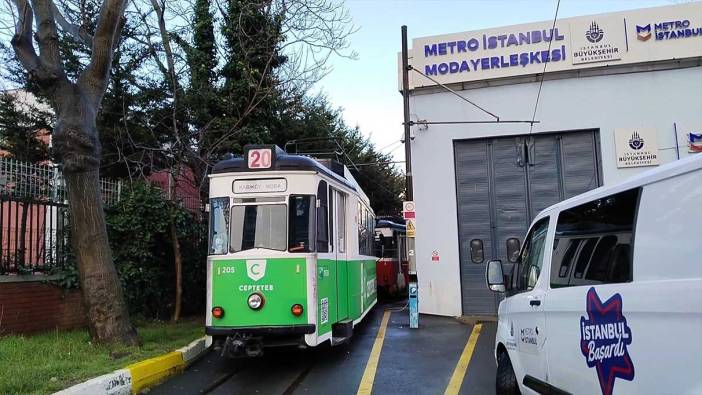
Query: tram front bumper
{"type": "Point", "coordinates": [236, 342]}
{"type": "Point", "coordinates": [260, 330]}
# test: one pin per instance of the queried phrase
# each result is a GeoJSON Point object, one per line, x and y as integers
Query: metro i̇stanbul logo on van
{"type": "Point", "coordinates": [604, 337]}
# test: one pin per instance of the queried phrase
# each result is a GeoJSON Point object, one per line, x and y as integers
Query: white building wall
{"type": "Point", "coordinates": [645, 99]}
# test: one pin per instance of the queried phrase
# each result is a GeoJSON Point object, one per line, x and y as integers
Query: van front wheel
{"type": "Point", "coordinates": [506, 383]}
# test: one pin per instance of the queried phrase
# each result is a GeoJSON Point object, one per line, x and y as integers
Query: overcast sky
{"type": "Point", "coordinates": [366, 88]}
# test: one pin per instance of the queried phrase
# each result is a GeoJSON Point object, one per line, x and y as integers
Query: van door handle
{"type": "Point", "coordinates": [535, 302]}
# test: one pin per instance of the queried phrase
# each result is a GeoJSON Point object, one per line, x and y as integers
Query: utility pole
{"type": "Point", "coordinates": [405, 101]}
{"type": "Point", "coordinates": [408, 206]}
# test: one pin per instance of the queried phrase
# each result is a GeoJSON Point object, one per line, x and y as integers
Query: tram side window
{"type": "Point", "coordinates": [389, 244]}
{"type": "Point", "coordinates": [341, 219]}
{"type": "Point", "coordinates": [593, 242]}
{"type": "Point", "coordinates": [322, 218]}
{"type": "Point", "coordinates": [219, 225]}
{"type": "Point", "coordinates": [362, 230]}
{"type": "Point", "coordinates": [370, 233]}
{"type": "Point", "coordinates": [302, 221]}
{"type": "Point", "coordinates": [366, 230]}
{"type": "Point", "coordinates": [331, 220]}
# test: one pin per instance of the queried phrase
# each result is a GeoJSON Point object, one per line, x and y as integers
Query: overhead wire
{"type": "Point", "coordinates": [390, 145]}
{"type": "Point", "coordinates": [395, 149]}
{"type": "Point", "coordinates": [543, 73]}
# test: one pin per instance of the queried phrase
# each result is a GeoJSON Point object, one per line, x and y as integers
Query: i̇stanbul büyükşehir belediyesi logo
{"type": "Point", "coordinates": [636, 142]}
{"type": "Point", "coordinates": [604, 340]}
{"type": "Point", "coordinates": [594, 34]}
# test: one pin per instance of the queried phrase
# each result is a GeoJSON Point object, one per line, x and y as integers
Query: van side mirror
{"type": "Point", "coordinates": [494, 277]}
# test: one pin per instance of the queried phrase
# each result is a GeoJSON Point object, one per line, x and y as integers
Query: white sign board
{"type": "Point", "coordinates": [408, 210]}
{"type": "Point", "coordinates": [260, 185]}
{"type": "Point", "coordinates": [597, 40]}
{"type": "Point", "coordinates": [636, 147]}
{"type": "Point", "coordinates": [628, 37]}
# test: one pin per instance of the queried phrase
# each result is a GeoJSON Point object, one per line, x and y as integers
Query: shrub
{"type": "Point", "coordinates": [138, 228]}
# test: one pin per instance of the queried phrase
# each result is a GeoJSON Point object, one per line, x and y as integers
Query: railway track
{"type": "Point", "coordinates": [288, 387]}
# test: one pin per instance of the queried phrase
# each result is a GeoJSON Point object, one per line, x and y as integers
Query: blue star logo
{"type": "Point", "coordinates": [604, 337]}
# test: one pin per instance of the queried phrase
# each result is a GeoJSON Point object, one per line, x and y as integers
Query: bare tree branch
{"type": "Point", "coordinates": [78, 34]}
{"type": "Point", "coordinates": [93, 80]}
{"type": "Point", "coordinates": [149, 45]}
{"type": "Point", "coordinates": [47, 38]}
{"type": "Point", "coordinates": [22, 40]}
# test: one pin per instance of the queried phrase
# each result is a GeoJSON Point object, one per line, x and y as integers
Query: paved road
{"type": "Point", "coordinates": [411, 362]}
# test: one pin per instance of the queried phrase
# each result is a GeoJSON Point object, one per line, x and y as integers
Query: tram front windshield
{"type": "Point", "coordinates": [250, 226]}
{"type": "Point", "coordinates": [259, 226]}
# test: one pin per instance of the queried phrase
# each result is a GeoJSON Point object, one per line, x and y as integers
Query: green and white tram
{"type": "Point", "coordinates": [290, 252]}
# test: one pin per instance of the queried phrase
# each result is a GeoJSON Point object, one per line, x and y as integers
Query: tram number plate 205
{"type": "Point", "coordinates": [226, 270]}
{"type": "Point", "coordinates": [324, 311]}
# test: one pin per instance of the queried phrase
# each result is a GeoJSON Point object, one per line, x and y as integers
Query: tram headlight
{"type": "Point", "coordinates": [256, 301]}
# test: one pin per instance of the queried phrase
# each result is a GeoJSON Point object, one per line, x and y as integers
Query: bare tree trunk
{"type": "Point", "coordinates": [177, 256]}
{"type": "Point", "coordinates": [101, 288]}
{"type": "Point", "coordinates": [178, 260]}
{"type": "Point", "coordinates": [77, 145]}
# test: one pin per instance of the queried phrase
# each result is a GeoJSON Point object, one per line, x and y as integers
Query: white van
{"type": "Point", "coordinates": [606, 296]}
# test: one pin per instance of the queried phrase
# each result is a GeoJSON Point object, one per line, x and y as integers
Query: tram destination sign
{"type": "Point", "coordinates": [260, 185]}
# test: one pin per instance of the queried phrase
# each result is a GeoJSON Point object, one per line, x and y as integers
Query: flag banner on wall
{"type": "Point", "coordinates": [694, 142]}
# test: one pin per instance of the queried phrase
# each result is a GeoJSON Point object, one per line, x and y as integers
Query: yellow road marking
{"type": "Point", "coordinates": [366, 385]}
{"type": "Point", "coordinates": [459, 372]}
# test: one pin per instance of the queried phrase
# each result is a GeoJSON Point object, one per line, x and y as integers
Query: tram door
{"type": "Point", "coordinates": [339, 240]}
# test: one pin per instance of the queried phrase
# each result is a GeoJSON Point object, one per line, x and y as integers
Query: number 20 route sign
{"type": "Point", "coordinates": [260, 158]}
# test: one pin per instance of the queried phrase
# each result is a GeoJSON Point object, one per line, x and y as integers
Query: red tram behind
{"type": "Point", "coordinates": [392, 268]}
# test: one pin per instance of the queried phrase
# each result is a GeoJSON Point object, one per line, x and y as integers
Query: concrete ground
{"type": "Point", "coordinates": [411, 361]}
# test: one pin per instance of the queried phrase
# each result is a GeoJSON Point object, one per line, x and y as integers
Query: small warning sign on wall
{"type": "Point", "coordinates": [411, 227]}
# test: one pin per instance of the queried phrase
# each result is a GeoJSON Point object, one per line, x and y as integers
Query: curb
{"type": "Point", "coordinates": [140, 375]}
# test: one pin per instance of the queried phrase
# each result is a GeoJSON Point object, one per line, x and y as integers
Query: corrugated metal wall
{"type": "Point", "coordinates": [502, 184]}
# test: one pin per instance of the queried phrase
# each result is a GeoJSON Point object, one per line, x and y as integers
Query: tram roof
{"type": "Point", "coordinates": [384, 223]}
{"type": "Point", "coordinates": [286, 162]}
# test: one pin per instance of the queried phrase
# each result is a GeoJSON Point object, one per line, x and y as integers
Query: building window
{"type": "Point", "coordinates": [476, 251]}
{"type": "Point", "coordinates": [593, 242]}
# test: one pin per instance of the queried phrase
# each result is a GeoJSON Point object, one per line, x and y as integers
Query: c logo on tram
{"type": "Point", "coordinates": [256, 268]}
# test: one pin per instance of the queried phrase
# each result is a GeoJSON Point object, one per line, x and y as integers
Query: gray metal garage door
{"type": "Point", "coordinates": [502, 184]}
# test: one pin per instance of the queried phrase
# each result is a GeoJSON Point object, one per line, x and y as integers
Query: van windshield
{"type": "Point", "coordinates": [259, 226]}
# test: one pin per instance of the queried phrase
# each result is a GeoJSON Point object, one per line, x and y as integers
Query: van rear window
{"type": "Point", "coordinates": [593, 242]}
